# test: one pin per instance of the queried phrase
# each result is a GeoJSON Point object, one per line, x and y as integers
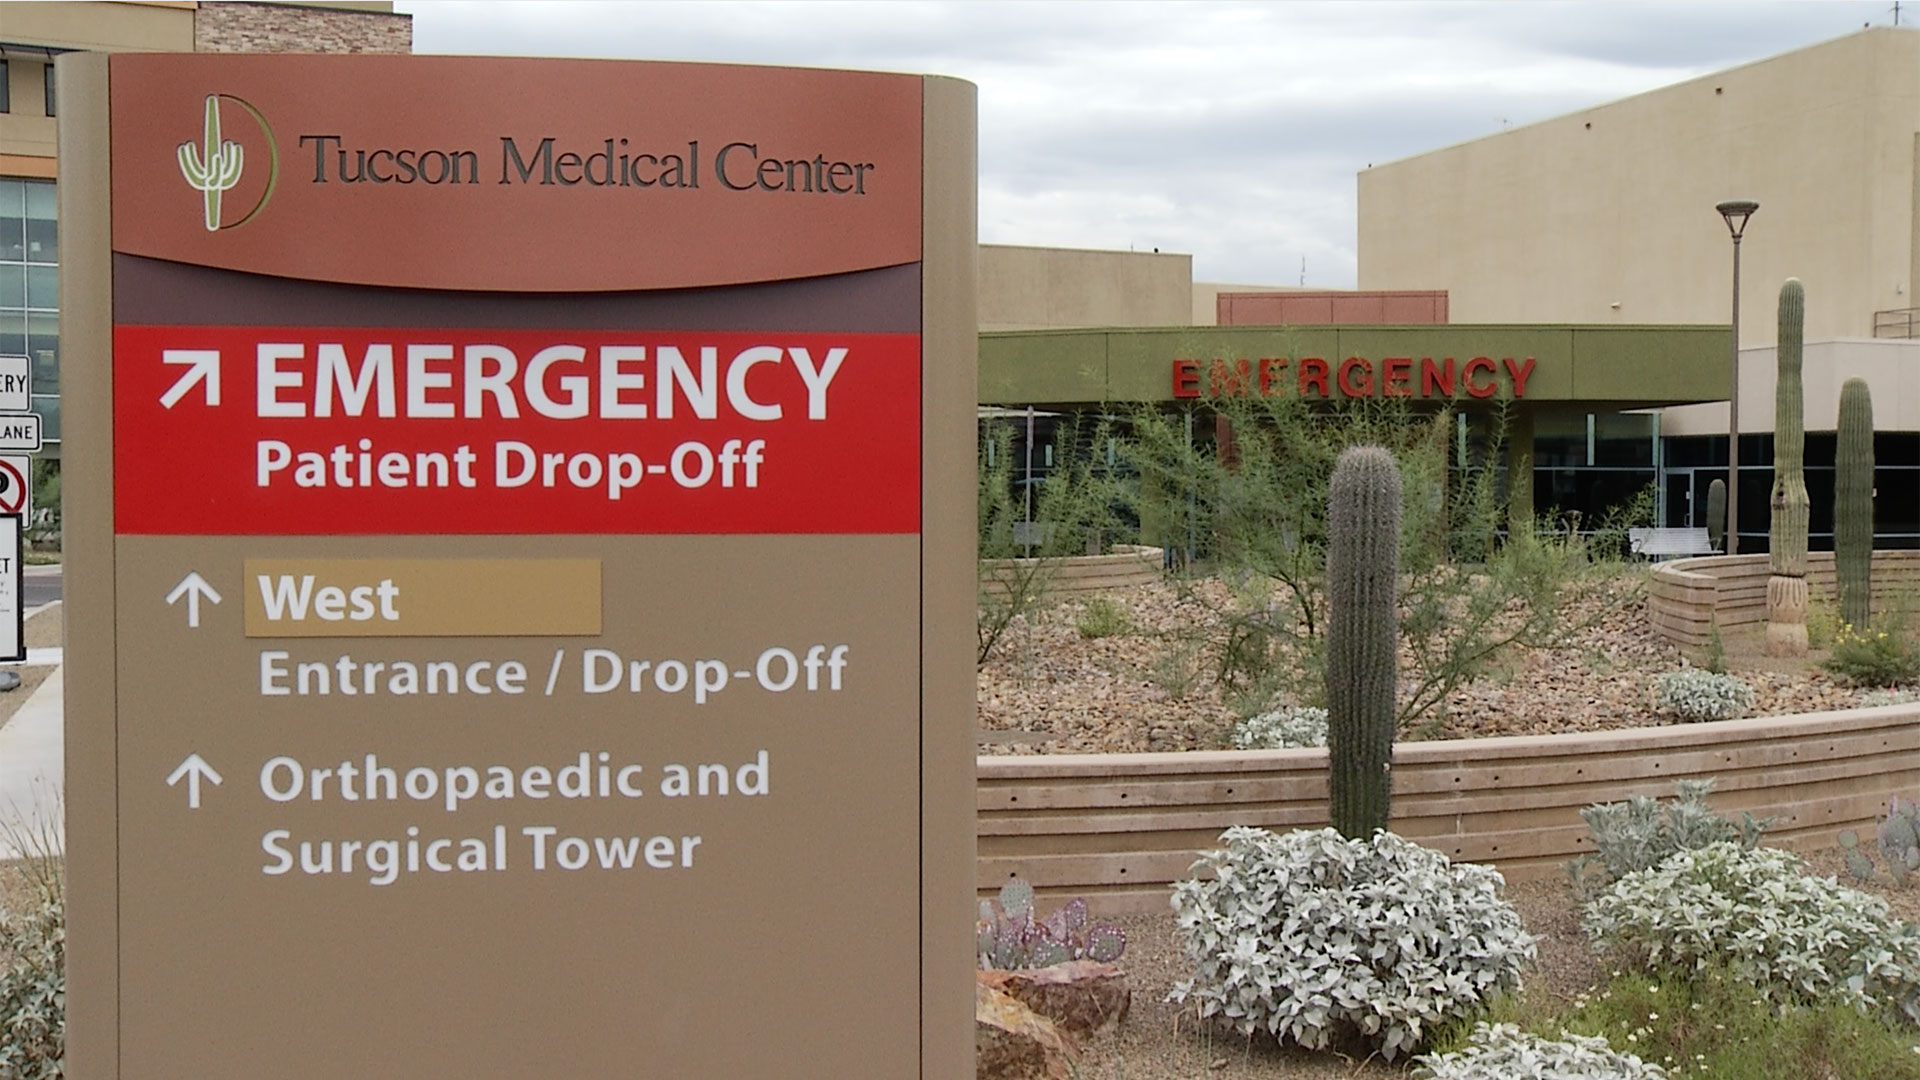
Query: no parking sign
{"type": "Point", "coordinates": [16, 485]}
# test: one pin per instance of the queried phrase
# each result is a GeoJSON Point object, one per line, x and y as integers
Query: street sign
{"type": "Point", "coordinates": [20, 431]}
{"type": "Point", "coordinates": [13, 609]}
{"type": "Point", "coordinates": [16, 485]}
{"type": "Point", "coordinates": [16, 384]}
{"type": "Point", "coordinates": [519, 568]}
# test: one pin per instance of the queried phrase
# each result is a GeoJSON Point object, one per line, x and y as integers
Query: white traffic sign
{"type": "Point", "coordinates": [20, 431]}
{"type": "Point", "coordinates": [16, 383]}
{"type": "Point", "coordinates": [193, 587]}
{"type": "Point", "coordinates": [13, 641]}
{"type": "Point", "coordinates": [16, 485]}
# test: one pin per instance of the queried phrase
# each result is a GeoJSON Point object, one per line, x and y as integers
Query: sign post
{"type": "Point", "coordinates": [521, 530]}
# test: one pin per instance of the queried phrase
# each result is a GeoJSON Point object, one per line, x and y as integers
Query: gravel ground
{"type": "Point", "coordinates": [1048, 689]}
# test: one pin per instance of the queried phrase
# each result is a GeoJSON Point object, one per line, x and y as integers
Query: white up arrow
{"type": "Point", "coordinates": [193, 587]}
{"type": "Point", "coordinates": [203, 365]}
{"type": "Point", "coordinates": [193, 769]}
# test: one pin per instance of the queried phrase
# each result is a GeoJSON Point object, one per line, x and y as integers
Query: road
{"type": "Point", "coordinates": [41, 585]}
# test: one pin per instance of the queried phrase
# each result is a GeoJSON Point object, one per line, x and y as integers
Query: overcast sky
{"type": "Point", "coordinates": [1231, 131]}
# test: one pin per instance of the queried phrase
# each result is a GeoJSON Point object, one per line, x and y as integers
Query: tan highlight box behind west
{"type": "Point", "coordinates": [422, 597]}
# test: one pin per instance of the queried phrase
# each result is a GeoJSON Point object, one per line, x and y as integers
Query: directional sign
{"type": "Point", "coordinates": [194, 769]}
{"type": "Point", "coordinates": [571, 585]}
{"type": "Point", "coordinates": [194, 588]}
{"type": "Point", "coordinates": [16, 485]}
{"type": "Point", "coordinates": [20, 431]}
{"type": "Point", "coordinates": [16, 384]}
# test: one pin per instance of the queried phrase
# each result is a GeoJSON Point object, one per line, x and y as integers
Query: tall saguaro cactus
{"type": "Point", "coordinates": [215, 171]}
{"type": "Point", "coordinates": [1716, 512]}
{"type": "Point", "coordinates": [1363, 636]}
{"type": "Point", "coordinates": [1787, 587]}
{"type": "Point", "coordinates": [1853, 503]}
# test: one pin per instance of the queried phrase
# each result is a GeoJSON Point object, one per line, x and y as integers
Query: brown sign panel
{"type": "Point", "coordinates": [474, 682]}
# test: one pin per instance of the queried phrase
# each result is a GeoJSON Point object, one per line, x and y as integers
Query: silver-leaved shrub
{"type": "Point", "coordinates": [33, 991]}
{"type": "Point", "coordinates": [1282, 729]}
{"type": "Point", "coordinates": [1694, 695]}
{"type": "Point", "coordinates": [1640, 832]}
{"type": "Point", "coordinates": [1504, 1052]}
{"type": "Point", "coordinates": [1793, 935]}
{"type": "Point", "coordinates": [1312, 937]}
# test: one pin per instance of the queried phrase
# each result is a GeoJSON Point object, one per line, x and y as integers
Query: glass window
{"type": "Point", "coordinates": [13, 333]}
{"type": "Point", "coordinates": [1559, 438]}
{"type": "Point", "coordinates": [46, 79]}
{"type": "Point", "coordinates": [13, 225]}
{"type": "Point", "coordinates": [46, 370]}
{"type": "Point", "coordinates": [1623, 439]}
{"type": "Point", "coordinates": [49, 409]}
{"type": "Point", "coordinates": [43, 241]}
{"type": "Point", "coordinates": [13, 285]}
{"type": "Point", "coordinates": [43, 286]}
{"type": "Point", "coordinates": [6, 97]}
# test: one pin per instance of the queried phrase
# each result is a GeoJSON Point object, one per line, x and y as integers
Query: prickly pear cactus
{"type": "Point", "coordinates": [1859, 863]}
{"type": "Point", "coordinates": [1010, 935]}
{"type": "Point", "coordinates": [1787, 537]}
{"type": "Point", "coordinates": [1900, 838]}
{"type": "Point", "coordinates": [1363, 637]}
{"type": "Point", "coordinates": [1717, 514]}
{"type": "Point", "coordinates": [1853, 504]}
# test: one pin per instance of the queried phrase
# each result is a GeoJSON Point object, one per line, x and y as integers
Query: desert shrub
{"type": "Point", "coordinates": [1711, 1023]}
{"type": "Point", "coordinates": [1282, 729]}
{"type": "Point", "coordinates": [1641, 832]}
{"type": "Point", "coordinates": [1694, 695]}
{"type": "Point", "coordinates": [1795, 937]}
{"type": "Point", "coordinates": [1013, 936]}
{"type": "Point", "coordinates": [1875, 657]}
{"type": "Point", "coordinates": [1102, 616]}
{"type": "Point", "coordinates": [1873, 698]}
{"type": "Point", "coordinates": [1504, 1052]}
{"type": "Point", "coordinates": [1313, 938]}
{"type": "Point", "coordinates": [33, 991]}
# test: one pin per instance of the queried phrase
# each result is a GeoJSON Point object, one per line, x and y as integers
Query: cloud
{"type": "Point", "coordinates": [1232, 131]}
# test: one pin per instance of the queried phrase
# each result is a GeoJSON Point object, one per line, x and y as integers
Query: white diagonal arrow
{"type": "Point", "coordinates": [193, 587]}
{"type": "Point", "coordinates": [203, 365]}
{"type": "Point", "coordinates": [194, 769]}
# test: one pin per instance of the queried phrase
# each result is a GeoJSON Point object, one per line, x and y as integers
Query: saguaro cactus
{"type": "Point", "coordinates": [1787, 587]}
{"type": "Point", "coordinates": [1717, 513]}
{"type": "Point", "coordinates": [1363, 636]}
{"type": "Point", "coordinates": [215, 171]}
{"type": "Point", "coordinates": [1853, 503]}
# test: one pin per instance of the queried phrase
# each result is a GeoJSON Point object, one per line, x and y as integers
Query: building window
{"type": "Point", "coordinates": [6, 93]}
{"type": "Point", "coordinates": [29, 290]}
{"type": "Point", "coordinates": [46, 80]}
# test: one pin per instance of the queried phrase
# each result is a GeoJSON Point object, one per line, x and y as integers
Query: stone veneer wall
{"type": "Point", "coordinates": [282, 28]}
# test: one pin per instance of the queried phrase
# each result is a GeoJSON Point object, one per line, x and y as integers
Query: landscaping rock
{"type": "Point", "coordinates": [1084, 997]}
{"type": "Point", "coordinates": [1012, 1042]}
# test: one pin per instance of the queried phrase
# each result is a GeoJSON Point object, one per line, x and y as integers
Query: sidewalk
{"type": "Point", "coordinates": [33, 758]}
{"type": "Point", "coordinates": [33, 762]}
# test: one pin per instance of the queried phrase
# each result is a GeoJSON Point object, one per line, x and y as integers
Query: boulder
{"type": "Point", "coordinates": [1012, 1042]}
{"type": "Point", "coordinates": [1083, 997]}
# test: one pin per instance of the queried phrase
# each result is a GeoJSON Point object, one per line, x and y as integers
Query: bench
{"type": "Point", "coordinates": [1667, 543]}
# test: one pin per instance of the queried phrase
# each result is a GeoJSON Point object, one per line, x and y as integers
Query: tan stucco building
{"type": "Point", "coordinates": [1607, 214]}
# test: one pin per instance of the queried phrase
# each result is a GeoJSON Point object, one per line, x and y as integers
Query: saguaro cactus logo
{"type": "Point", "coordinates": [215, 165]}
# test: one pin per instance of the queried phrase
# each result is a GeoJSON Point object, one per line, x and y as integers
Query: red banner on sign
{"type": "Point", "coordinates": [322, 431]}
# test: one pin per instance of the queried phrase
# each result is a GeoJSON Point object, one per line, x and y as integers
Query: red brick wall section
{"type": "Point", "coordinates": [281, 28]}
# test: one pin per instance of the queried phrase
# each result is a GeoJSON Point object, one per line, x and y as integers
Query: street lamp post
{"type": "Point", "coordinates": [1736, 212]}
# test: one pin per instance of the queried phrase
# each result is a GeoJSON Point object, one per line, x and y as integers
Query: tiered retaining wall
{"type": "Point", "coordinates": [1119, 828]}
{"type": "Point", "coordinates": [1689, 596]}
{"type": "Point", "coordinates": [1127, 564]}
